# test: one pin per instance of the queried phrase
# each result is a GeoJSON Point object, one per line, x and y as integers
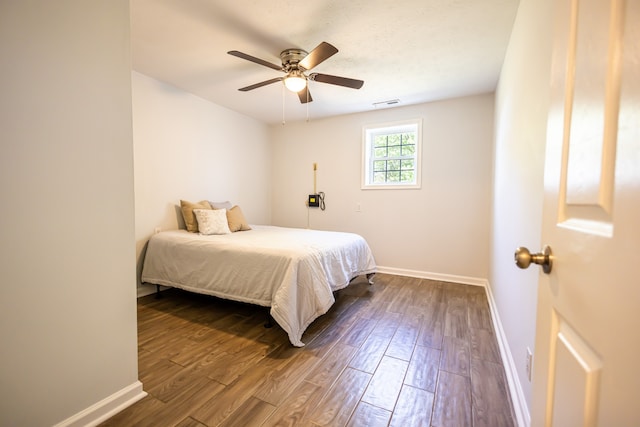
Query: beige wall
{"type": "Point", "coordinates": [67, 298]}
{"type": "Point", "coordinates": [439, 230]}
{"type": "Point", "coordinates": [188, 148]}
{"type": "Point", "coordinates": [520, 129]}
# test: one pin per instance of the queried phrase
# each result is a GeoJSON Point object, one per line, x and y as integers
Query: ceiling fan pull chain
{"type": "Point", "coordinates": [307, 102]}
{"type": "Point", "coordinates": [283, 104]}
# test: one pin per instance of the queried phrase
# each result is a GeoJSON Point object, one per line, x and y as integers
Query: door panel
{"type": "Point", "coordinates": [591, 99]}
{"type": "Point", "coordinates": [575, 367]}
{"type": "Point", "coordinates": [586, 369]}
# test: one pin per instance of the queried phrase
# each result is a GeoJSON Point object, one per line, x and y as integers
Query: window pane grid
{"type": "Point", "coordinates": [393, 157]}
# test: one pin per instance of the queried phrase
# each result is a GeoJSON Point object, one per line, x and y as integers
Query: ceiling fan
{"type": "Point", "coordinates": [295, 63]}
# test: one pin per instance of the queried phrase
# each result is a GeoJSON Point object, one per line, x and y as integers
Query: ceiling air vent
{"type": "Point", "coordinates": [386, 103]}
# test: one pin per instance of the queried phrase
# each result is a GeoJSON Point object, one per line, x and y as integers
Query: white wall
{"type": "Point", "coordinates": [441, 229]}
{"type": "Point", "coordinates": [67, 299]}
{"type": "Point", "coordinates": [188, 148]}
{"type": "Point", "coordinates": [521, 115]}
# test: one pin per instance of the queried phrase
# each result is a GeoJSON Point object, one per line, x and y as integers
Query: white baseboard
{"type": "Point", "coordinates": [145, 289]}
{"type": "Point", "coordinates": [521, 411]}
{"type": "Point", "coordinates": [433, 276]}
{"type": "Point", "coordinates": [148, 289]}
{"type": "Point", "coordinates": [106, 408]}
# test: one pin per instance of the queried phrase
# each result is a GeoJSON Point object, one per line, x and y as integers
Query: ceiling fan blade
{"type": "Point", "coordinates": [305, 95]}
{"type": "Point", "coordinates": [254, 59]}
{"type": "Point", "coordinates": [336, 80]}
{"type": "Point", "coordinates": [257, 85]}
{"type": "Point", "coordinates": [323, 51]}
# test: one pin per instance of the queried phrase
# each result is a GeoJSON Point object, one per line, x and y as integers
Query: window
{"type": "Point", "coordinates": [391, 155]}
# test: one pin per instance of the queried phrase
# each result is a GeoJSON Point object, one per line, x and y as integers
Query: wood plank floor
{"type": "Point", "coordinates": [401, 352]}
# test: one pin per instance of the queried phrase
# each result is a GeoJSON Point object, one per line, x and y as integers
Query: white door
{"type": "Point", "coordinates": [587, 351]}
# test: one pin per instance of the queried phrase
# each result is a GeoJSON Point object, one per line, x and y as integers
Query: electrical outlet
{"type": "Point", "coordinates": [529, 363]}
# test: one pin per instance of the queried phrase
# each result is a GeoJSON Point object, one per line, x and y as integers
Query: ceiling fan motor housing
{"type": "Point", "coordinates": [291, 57]}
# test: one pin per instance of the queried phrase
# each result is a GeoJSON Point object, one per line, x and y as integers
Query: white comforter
{"type": "Point", "coordinates": [293, 271]}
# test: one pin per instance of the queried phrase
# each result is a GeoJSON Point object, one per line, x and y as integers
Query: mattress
{"type": "Point", "coordinates": [293, 271]}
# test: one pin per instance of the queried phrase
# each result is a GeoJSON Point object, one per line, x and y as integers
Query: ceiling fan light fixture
{"type": "Point", "coordinates": [295, 81]}
{"type": "Point", "coordinates": [295, 63]}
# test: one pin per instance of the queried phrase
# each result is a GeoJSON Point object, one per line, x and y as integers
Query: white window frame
{"type": "Point", "coordinates": [368, 131]}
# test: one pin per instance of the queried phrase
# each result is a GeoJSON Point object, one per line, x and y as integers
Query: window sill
{"type": "Point", "coordinates": [391, 187]}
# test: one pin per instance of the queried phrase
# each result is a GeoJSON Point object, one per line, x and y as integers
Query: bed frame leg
{"type": "Point", "coordinates": [370, 278]}
{"type": "Point", "coordinates": [158, 294]}
{"type": "Point", "coordinates": [269, 321]}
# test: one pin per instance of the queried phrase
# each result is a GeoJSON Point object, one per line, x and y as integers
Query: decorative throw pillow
{"type": "Point", "coordinates": [188, 215]}
{"type": "Point", "coordinates": [212, 221]}
{"type": "Point", "coordinates": [221, 205]}
{"type": "Point", "coordinates": [236, 220]}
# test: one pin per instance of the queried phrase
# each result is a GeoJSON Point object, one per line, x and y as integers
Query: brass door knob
{"type": "Point", "coordinates": [524, 258]}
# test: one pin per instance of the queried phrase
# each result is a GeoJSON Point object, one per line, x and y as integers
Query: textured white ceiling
{"type": "Point", "coordinates": [412, 50]}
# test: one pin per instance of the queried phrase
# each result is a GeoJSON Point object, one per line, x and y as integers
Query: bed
{"type": "Point", "coordinates": [292, 271]}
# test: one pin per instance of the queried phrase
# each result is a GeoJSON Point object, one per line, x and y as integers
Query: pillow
{"type": "Point", "coordinates": [188, 215]}
{"type": "Point", "coordinates": [236, 220]}
{"type": "Point", "coordinates": [221, 205]}
{"type": "Point", "coordinates": [212, 221]}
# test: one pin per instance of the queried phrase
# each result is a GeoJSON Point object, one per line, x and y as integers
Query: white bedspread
{"type": "Point", "coordinates": [293, 271]}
